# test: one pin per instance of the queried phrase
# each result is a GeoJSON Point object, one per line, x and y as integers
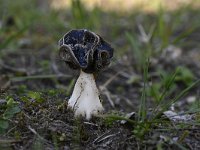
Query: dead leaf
{"type": "Point", "coordinates": [173, 116]}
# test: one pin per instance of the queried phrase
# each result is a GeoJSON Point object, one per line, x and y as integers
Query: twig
{"type": "Point", "coordinates": [128, 101]}
{"type": "Point", "coordinates": [2, 141]}
{"type": "Point", "coordinates": [10, 131]}
{"type": "Point", "coordinates": [108, 136]}
{"type": "Point", "coordinates": [101, 138]}
{"type": "Point", "coordinates": [21, 70]}
{"type": "Point", "coordinates": [40, 137]}
{"type": "Point", "coordinates": [92, 124]}
{"type": "Point", "coordinates": [54, 66]}
{"type": "Point", "coordinates": [26, 115]}
{"type": "Point", "coordinates": [16, 79]}
{"type": "Point", "coordinates": [107, 93]}
{"type": "Point", "coordinates": [111, 79]}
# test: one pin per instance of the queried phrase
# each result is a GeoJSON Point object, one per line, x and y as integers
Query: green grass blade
{"type": "Point", "coordinates": [143, 110]}
{"type": "Point", "coordinates": [183, 93]}
{"type": "Point", "coordinates": [12, 37]}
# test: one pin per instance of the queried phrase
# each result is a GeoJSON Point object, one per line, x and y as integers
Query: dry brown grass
{"type": "Point", "coordinates": [128, 5]}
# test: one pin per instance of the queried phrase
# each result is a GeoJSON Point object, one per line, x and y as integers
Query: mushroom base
{"type": "Point", "coordinates": [85, 97]}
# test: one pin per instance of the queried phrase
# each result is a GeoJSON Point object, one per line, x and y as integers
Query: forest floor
{"type": "Point", "coordinates": [149, 103]}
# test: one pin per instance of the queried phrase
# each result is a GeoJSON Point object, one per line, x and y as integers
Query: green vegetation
{"type": "Point", "coordinates": [155, 69]}
{"type": "Point", "coordinates": [8, 110]}
{"type": "Point", "coordinates": [148, 120]}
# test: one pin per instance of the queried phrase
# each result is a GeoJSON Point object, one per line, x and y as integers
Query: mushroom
{"type": "Point", "coordinates": [84, 50]}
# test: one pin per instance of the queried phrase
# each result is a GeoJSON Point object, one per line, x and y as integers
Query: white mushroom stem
{"type": "Point", "coordinates": [85, 97]}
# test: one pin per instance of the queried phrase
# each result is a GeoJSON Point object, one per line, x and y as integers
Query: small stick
{"type": "Point", "coordinates": [40, 137]}
{"type": "Point", "coordinates": [106, 137]}
{"type": "Point", "coordinates": [16, 79]}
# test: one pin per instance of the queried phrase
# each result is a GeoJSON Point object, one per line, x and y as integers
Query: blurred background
{"type": "Point", "coordinates": [156, 57]}
{"type": "Point", "coordinates": [165, 32]}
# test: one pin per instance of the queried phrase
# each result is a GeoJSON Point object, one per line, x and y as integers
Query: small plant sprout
{"type": "Point", "coordinates": [84, 50]}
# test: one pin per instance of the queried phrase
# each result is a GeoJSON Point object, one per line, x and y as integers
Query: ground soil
{"type": "Point", "coordinates": [35, 66]}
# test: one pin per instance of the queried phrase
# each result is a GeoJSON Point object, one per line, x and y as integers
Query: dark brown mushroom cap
{"type": "Point", "coordinates": [83, 49]}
